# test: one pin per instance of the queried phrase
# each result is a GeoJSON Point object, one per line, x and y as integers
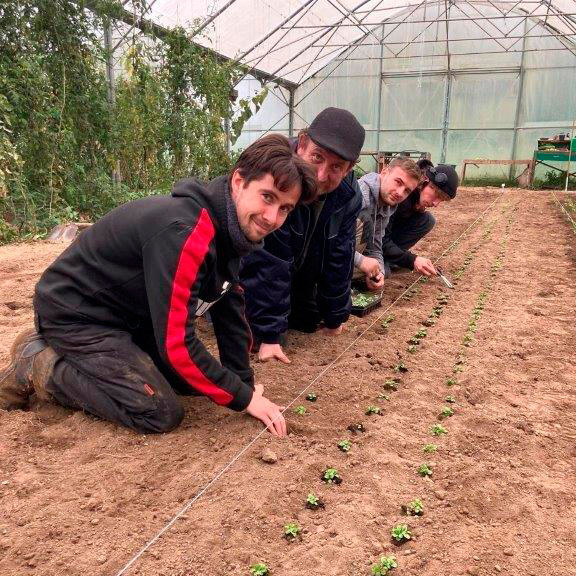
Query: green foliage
{"type": "Point", "coordinates": [331, 476]}
{"type": "Point", "coordinates": [414, 507]}
{"type": "Point", "coordinates": [424, 470]}
{"type": "Point", "coordinates": [291, 530]}
{"type": "Point", "coordinates": [384, 565]}
{"type": "Point", "coordinates": [67, 150]}
{"type": "Point", "coordinates": [438, 430]}
{"type": "Point", "coordinates": [345, 445]}
{"type": "Point", "coordinates": [446, 412]}
{"type": "Point", "coordinates": [373, 410]}
{"type": "Point", "coordinates": [429, 448]}
{"type": "Point", "coordinates": [300, 409]}
{"type": "Point", "coordinates": [401, 533]}
{"type": "Point", "coordinates": [259, 569]}
{"type": "Point", "coordinates": [312, 499]}
{"type": "Point", "coordinates": [311, 397]}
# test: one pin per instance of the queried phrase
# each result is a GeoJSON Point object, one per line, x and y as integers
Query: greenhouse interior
{"type": "Point", "coordinates": [100, 100]}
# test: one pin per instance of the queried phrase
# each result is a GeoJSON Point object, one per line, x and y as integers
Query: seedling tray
{"type": "Point", "coordinates": [362, 311]}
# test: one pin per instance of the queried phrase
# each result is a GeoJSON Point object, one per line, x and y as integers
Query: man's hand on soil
{"type": "Point", "coordinates": [424, 266]}
{"type": "Point", "coordinates": [267, 412]}
{"type": "Point", "coordinates": [272, 351]}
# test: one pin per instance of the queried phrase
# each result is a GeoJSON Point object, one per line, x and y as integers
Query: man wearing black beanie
{"type": "Point", "coordinates": [412, 220]}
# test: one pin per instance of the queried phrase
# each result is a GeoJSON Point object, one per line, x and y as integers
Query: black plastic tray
{"type": "Point", "coordinates": [362, 311]}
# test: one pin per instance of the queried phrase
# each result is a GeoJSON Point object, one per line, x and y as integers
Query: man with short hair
{"type": "Point", "coordinates": [302, 277]}
{"type": "Point", "coordinates": [381, 193]}
{"type": "Point", "coordinates": [412, 220]}
{"type": "Point", "coordinates": [115, 312]}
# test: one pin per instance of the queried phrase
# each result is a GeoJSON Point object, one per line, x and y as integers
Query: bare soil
{"type": "Point", "coordinates": [80, 496]}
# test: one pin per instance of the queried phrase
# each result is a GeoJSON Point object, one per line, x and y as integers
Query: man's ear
{"type": "Point", "coordinates": [236, 183]}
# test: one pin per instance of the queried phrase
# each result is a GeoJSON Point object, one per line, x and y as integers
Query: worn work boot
{"type": "Point", "coordinates": [30, 368]}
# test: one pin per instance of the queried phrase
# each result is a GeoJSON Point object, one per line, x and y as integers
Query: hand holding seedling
{"type": "Point", "coordinates": [272, 351]}
{"type": "Point", "coordinates": [267, 412]}
{"type": "Point", "coordinates": [374, 275]}
{"type": "Point", "coordinates": [424, 266]}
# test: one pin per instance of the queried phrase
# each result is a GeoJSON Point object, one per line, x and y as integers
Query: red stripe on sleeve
{"type": "Point", "coordinates": [191, 258]}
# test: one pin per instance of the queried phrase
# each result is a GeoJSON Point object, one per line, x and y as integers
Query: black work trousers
{"type": "Point", "coordinates": [113, 374]}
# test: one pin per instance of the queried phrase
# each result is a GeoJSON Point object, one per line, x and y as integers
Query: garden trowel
{"type": "Point", "coordinates": [440, 273]}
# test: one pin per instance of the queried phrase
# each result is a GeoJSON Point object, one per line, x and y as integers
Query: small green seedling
{"type": "Point", "coordinates": [450, 399]}
{"type": "Point", "coordinates": [429, 448]}
{"type": "Point", "coordinates": [438, 430]}
{"type": "Point", "coordinates": [400, 533]}
{"type": "Point", "coordinates": [300, 409]}
{"type": "Point", "coordinates": [413, 508]}
{"type": "Point", "coordinates": [457, 368]}
{"type": "Point", "coordinates": [412, 348]}
{"type": "Point", "coordinates": [447, 411]}
{"type": "Point", "coordinates": [414, 340]}
{"type": "Point", "coordinates": [391, 384]}
{"type": "Point", "coordinates": [424, 470]}
{"type": "Point", "coordinates": [400, 367]}
{"type": "Point", "coordinates": [387, 321]}
{"type": "Point", "coordinates": [430, 321]}
{"type": "Point", "coordinates": [422, 333]}
{"type": "Point", "coordinates": [357, 427]}
{"type": "Point", "coordinates": [313, 502]}
{"type": "Point", "coordinates": [259, 569]}
{"type": "Point", "coordinates": [373, 410]}
{"type": "Point", "coordinates": [311, 397]}
{"type": "Point", "coordinates": [291, 530]}
{"type": "Point", "coordinates": [331, 476]}
{"type": "Point", "coordinates": [345, 445]}
{"type": "Point", "coordinates": [383, 396]}
{"type": "Point", "coordinates": [384, 565]}
{"type": "Point", "coordinates": [451, 382]}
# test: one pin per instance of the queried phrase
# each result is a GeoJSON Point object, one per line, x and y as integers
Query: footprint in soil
{"type": "Point", "coordinates": [14, 305]}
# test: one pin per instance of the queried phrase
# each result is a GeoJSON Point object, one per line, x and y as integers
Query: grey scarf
{"type": "Point", "coordinates": [241, 244]}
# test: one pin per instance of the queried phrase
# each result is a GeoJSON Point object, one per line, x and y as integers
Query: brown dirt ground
{"type": "Point", "coordinates": [80, 496]}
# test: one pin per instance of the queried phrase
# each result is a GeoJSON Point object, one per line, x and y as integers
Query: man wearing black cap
{"type": "Point", "coordinates": [302, 276]}
{"type": "Point", "coordinates": [412, 220]}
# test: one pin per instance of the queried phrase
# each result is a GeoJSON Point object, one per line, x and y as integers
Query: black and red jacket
{"type": "Point", "coordinates": [161, 261]}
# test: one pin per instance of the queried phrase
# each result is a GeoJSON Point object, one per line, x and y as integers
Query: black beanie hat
{"type": "Point", "coordinates": [338, 130]}
{"type": "Point", "coordinates": [444, 177]}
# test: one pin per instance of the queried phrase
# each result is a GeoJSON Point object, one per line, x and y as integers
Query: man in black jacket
{"type": "Point", "coordinates": [412, 219]}
{"type": "Point", "coordinates": [115, 312]}
{"type": "Point", "coordinates": [302, 276]}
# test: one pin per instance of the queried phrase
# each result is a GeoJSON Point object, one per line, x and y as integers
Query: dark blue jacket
{"type": "Point", "coordinates": [266, 274]}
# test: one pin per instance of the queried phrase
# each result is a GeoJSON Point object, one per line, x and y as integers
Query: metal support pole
{"type": "Point", "coordinates": [291, 113]}
{"type": "Point", "coordinates": [380, 88]}
{"type": "Point", "coordinates": [448, 93]}
{"type": "Point", "coordinates": [518, 108]}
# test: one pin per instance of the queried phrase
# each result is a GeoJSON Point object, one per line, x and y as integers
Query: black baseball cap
{"type": "Point", "coordinates": [338, 131]}
{"type": "Point", "coordinates": [444, 177]}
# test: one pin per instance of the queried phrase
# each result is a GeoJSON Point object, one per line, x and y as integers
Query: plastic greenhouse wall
{"type": "Point", "coordinates": [494, 104]}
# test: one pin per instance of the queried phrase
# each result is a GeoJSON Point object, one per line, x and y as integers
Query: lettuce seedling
{"type": "Point", "coordinates": [400, 367]}
{"type": "Point", "coordinates": [259, 569]}
{"type": "Point", "coordinates": [300, 409]}
{"type": "Point", "coordinates": [384, 565]}
{"type": "Point", "coordinates": [313, 502]}
{"type": "Point", "coordinates": [451, 382]}
{"type": "Point", "coordinates": [447, 411]}
{"type": "Point", "coordinates": [400, 533]}
{"type": "Point", "coordinates": [429, 448]}
{"type": "Point", "coordinates": [291, 530]}
{"type": "Point", "coordinates": [311, 397]}
{"type": "Point", "coordinates": [331, 476]}
{"type": "Point", "coordinates": [450, 399]}
{"type": "Point", "coordinates": [438, 430]}
{"type": "Point", "coordinates": [373, 410]}
{"type": "Point", "coordinates": [345, 445]}
{"type": "Point", "coordinates": [391, 384]}
{"type": "Point", "coordinates": [424, 470]}
{"type": "Point", "coordinates": [355, 428]}
{"type": "Point", "coordinates": [413, 508]}
{"type": "Point", "coordinates": [412, 348]}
